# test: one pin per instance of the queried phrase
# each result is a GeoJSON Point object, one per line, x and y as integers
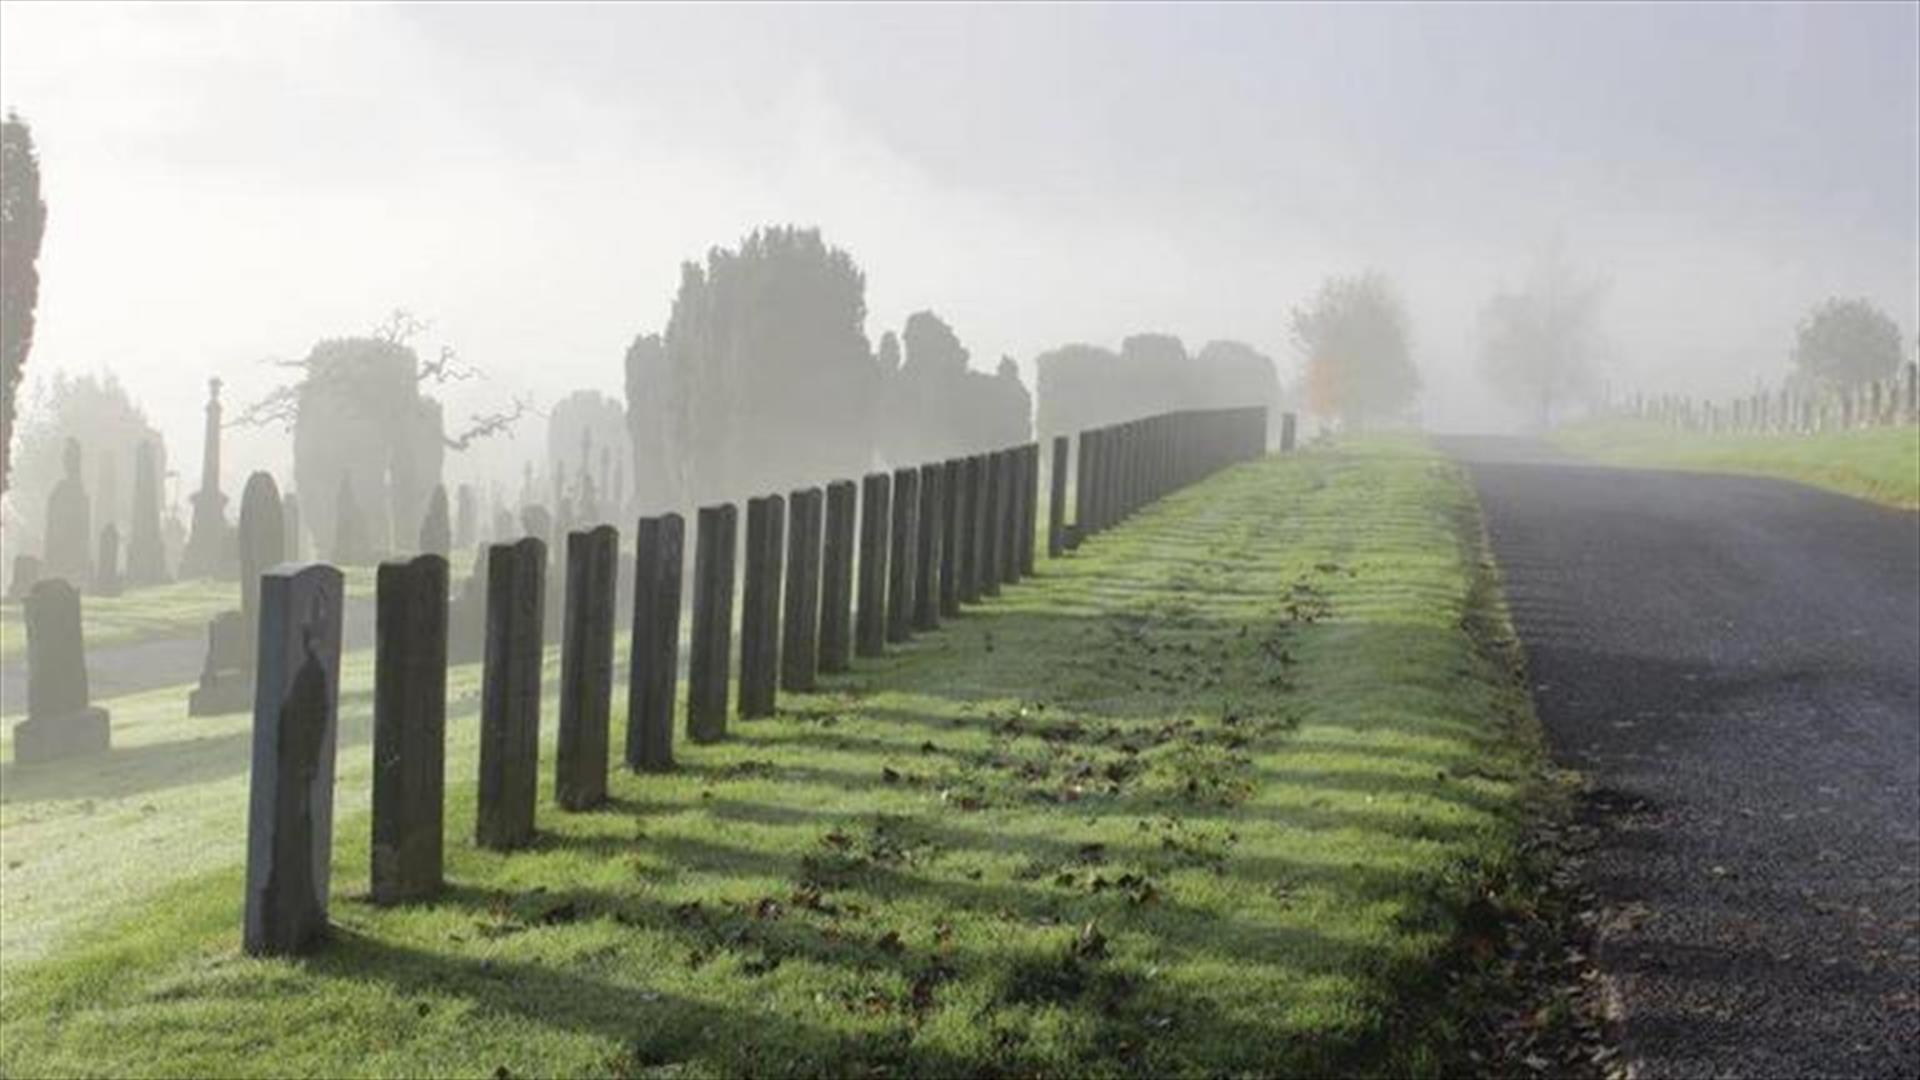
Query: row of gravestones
{"type": "Point", "coordinates": [930, 539]}
{"type": "Point", "coordinates": [73, 551]}
{"type": "Point", "coordinates": [1875, 403]}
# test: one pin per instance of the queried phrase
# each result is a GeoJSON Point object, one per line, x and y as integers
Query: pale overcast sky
{"type": "Point", "coordinates": [230, 183]}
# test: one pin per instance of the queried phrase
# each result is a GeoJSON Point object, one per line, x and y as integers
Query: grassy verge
{"type": "Point", "coordinates": [1207, 797]}
{"type": "Point", "coordinates": [1878, 464]}
{"type": "Point", "coordinates": [178, 609]}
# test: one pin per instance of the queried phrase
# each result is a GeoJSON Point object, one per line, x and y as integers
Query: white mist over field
{"type": "Point", "coordinates": [231, 183]}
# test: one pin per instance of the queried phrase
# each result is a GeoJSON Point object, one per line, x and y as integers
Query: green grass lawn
{"type": "Point", "coordinates": [178, 609]}
{"type": "Point", "coordinates": [1878, 464]}
{"type": "Point", "coordinates": [1203, 798]}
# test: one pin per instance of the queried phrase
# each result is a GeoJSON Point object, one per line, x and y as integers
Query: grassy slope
{"type": "Point", "coordinates": [1879, 464]}
{"type": "Point", "coordinates": [178, 609]}
{"type": "Point", "coordinates": [1194, 801]}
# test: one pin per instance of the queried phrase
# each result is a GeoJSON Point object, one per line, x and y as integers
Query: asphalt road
{"type": "Point", "coordinates": [1735, 664]}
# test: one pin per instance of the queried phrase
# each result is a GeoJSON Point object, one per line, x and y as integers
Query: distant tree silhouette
{"type": "Point", "coordinates": [1845, 342]}
{"type": "Point", "coordinates": [654, 426]}
{"type": "Point", "coordinates": [93, 409]}
{"type": "Point", "coordinates": [771, 369]}
{"type": "Point", "coordinates": [1539, 346]}
{"type": "Point", "coordinates": [1083, 386]}
{"type": "Point", "coordinates": [23, 223]}
{"type": "Point", "coordinates": [1354, 339]}
{"type": "Point", "coordinates": [934, 406]}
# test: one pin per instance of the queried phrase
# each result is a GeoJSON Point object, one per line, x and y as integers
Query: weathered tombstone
{"type": "Point", "coordinates": [290, 804]}
{"type": "Point", "coordinates": [1029, 504]}
{"type": "Point", "coordinates": [973, 530]}
{"type": "Point", "coordinates": [760, 607]}
{"type": "Point", "coordinates": [1057, 500]}
{"type": "Point", "coordinates": [712, 640]}
{"type": "Point", "coordinates": [61, 721]}
{"type": "Point", "coordinates": [351, 546]}
{"type": "Point", "coordinates": [870, 626]}
{"type": "Point", "coordinates": [409, 729]}
{"type": "Point", "coordinates": [654, 648]}
{"type": "Point", "coordinates": [226, 679]}
{"type": "Point", "coordinates": [1287, 434]}
{"type": "Point", "coordinates": [206, 544]}
{"type": "Point", "coordinates": [106, 563]}
{"type": "Point", "coordinates": [436, 533]}
{"type": "Point", "coordinates": [510, 694]}
{"type": "Point", "coordinates": [290, 517]}
{"type": "Point", "coordinates": [263, 540]}
{"type": "Point", "coordinates": [992, 525]}
{"type": "Point", "coordinates": [146, 552]}
{"type": "Point", "coordinates": [466, 516]}
{"type": "Point", "coordinates": [953, 533]}
{"type": "Point", "coordinates": [586, 669]}
{"type": "Point", "coordinates": [1082, 489]}
{"type": "Point", "coordinates": [801, 613]}
{"type": "Point", "coordinates": [69, 531]}
{"type": "Point", "coordinates": [926, 554]}
{"type": "Point", "coordinates": [836, 577]}
{"type": "Point", "coordinates": [902, 550]}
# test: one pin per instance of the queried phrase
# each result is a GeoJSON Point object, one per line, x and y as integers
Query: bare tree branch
{"type": "Point", "coordinates": [483, 425]}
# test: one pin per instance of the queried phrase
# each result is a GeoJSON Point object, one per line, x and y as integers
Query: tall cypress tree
{"type": "Point", "coordinates": [23, 220]}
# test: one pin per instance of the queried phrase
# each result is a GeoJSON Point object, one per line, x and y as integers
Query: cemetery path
{"type": "Point", "coordinates": [134, 667]}
{"type": "Point", "coordinates": [1734, 663]}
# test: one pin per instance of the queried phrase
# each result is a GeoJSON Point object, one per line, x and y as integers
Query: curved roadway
{"type": "Point", "coordinates": [1734, 663]}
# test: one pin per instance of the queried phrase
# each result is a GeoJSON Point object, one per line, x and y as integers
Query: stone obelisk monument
{"type": "Point", "coordinates": [206, 552]}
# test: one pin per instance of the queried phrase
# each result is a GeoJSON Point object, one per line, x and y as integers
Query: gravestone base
{"type": "Point", "coordinates": [52, 738]}
{"type": "Point", "coordinates": [221, 695]}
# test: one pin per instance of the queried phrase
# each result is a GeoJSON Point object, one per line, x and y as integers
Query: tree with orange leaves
{"type": "Point", "coordinates": [1353, 337]}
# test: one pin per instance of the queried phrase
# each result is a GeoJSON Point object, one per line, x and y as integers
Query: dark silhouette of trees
{"type": "Point", "coordinates": [23, 223]}
{"type": "Point", "coordinates": [1539, 346]}
{"type": "Point", "coordinates": [772, 375]}
{"type": "Point", "coordinates": [1353, 336]}
{"type": "Point", "coordinates": [357, 410]}
{"type": "Point", "coordinates": [933, 405]}
{"type": "Point", "coordinates": [95, 410]}
{"type": "Point", "coordinates": [1084, 386]}
{"type": "Point", "coordinates": [1845, 342]}
{"type": "Point", "coordinates": [654, 428]}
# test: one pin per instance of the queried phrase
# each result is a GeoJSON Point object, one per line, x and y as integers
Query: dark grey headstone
{"type": "Point", "coordinates": [61, 721]}
{"type": "Point", "coordinates": [712, 640]}
{"type": "Point", "coordinates": [586, 669]}
{"type": "Point", "coordinates": [1082, 490]}
{"type": "Point", "coordinates": [226, 679]}
{"type": "Point", "coordinates": [1057, 500]}
{"type": "Point", "coordinates": [953, 533]}
{"type": "Point", "coordinates": [974, 529]}
{"type": "Point", "coordinates": [870, 624]}
{"type": "Point", "coordinates": [409, 729]}
{"type": "Point", "coordinates": [1287, 433]}
{"type": "Point", "coordinates": [836, 577]}
{"type": "Point", "coordinates": [993, 533]}
{"type": "Point", "coordinates": [69, 523]}
{"type": "Point", "coordinates": [1029, 505]}
{"type": "Point", "coordinates": [801, 614]}
{"type": "Point", "coordinates": [903, 547]}
{"type": "Point", "coordinates": [1010, 515]}
{"type": "Point", "coordinates": [654, 649]}
{"type": "Point", "coordinates": [263, 540]}
{"type": "Point", "coordinates": [146, 551]}
{"type": "Point", "coordinates": [290, 805]}
{"type": "Point", "coordinates": [106, 562]}
{"type": "Point", "coordinates": [760, 607]}
{"type": "Point", "coordinates": [510, 694]}
{"type": "Point", "coordinates": [926, 550]}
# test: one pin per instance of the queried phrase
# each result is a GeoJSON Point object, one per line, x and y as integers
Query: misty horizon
{"type": "Point", "coordinates": [236, 184]}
